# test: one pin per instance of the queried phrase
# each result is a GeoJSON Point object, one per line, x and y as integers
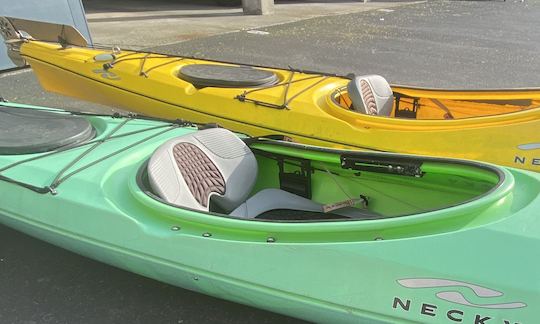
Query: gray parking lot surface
{"type": "Point", "coordinates": [442, 44]}
{"type": "Point", "coordinates": [454, 44]}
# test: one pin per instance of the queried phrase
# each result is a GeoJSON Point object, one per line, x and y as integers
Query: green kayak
{"type": "Point", "coordinates": [330, 236]}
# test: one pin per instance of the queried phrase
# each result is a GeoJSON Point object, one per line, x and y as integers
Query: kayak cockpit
{"type": "Point", "coordinates": [213, 171]}
{"type": "Point", "coordinates": [372, 95]}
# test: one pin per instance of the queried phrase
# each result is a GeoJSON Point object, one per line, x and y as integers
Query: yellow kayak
{"type": "Point", "coordinates": [364, 112]}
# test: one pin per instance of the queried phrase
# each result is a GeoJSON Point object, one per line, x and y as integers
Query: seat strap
{"type": "Point", "coordinates": [351, 202]}
{"type": "Point", "coordinates": [345, 203]}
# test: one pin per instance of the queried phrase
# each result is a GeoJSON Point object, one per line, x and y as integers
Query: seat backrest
{"type": "Point", "coordinates": [215, 164]}
{"type": "Point", "coordinates": [371, 95]}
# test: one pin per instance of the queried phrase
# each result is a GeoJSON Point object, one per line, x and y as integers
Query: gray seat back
{"type": "Point", "coordinates": [190, 170]}
{"type": "Point", "coordinates": [371, 95]}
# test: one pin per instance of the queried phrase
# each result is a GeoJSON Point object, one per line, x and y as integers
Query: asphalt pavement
{"type": "Point", "coordinates": [453, 44]}
{"type": "Point", "coordinates": [441, 44]}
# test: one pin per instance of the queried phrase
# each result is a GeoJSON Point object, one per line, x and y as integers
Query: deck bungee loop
{"type": "Point", "coordinates": [286, 101]}
{"type": "Point", "coordinates": [60, 177]}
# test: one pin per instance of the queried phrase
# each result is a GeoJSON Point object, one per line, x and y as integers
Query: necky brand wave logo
{"type": "Point", "coordinates": [457, 297]}
{"type": "Point", "coordinates": [529, 146]}
{"type": "Point", "coordinates": [521, 158]}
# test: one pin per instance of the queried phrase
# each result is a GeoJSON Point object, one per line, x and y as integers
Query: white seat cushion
{"type": "Point", "coordinates": [215, 164]}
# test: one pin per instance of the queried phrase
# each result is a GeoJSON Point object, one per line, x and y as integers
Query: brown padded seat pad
{"type": "Point", "coordinates": [199, 172]}
{"type": "Point", "coordinates": [369, 98]}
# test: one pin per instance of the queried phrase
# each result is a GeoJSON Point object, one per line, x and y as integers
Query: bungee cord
{"type": "Point", "coordinates": [61, 176]}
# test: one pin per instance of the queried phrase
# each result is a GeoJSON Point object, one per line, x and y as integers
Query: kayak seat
{"type": "Point", "coordinates": [226, 76]}
{"type": "Point", "coordinates": [265, 202]}
{"type": "Point", "coordinates": [213, 170]}
{"type": "Point", "coordinates": [212, 164]}
{"type": "Point", "coordinates": [371, 95]}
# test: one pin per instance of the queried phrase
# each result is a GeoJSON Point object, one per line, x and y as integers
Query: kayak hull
{"type": "Point", "coordinates": [369, 281]}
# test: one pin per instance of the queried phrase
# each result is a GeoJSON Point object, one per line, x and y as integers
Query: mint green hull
{"type": "Point", "coordinates": [332, 272]}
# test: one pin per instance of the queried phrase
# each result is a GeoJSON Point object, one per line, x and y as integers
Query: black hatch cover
{"type": "Point", "coordinates": [25, 131]}
{"type": "Point", "coordinates": [226, 76]}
